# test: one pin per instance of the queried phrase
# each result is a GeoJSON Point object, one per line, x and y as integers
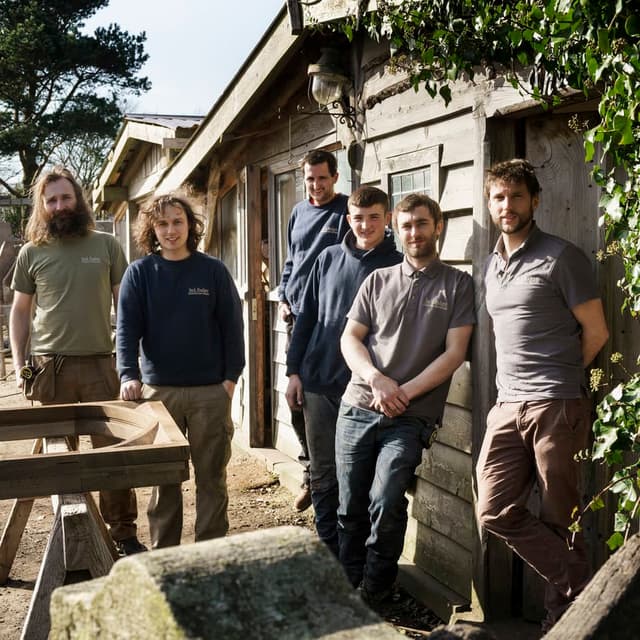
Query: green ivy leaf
{"type": "Point", "coordinates": [603, 40]}
{"type": "Point", "coordinates": [615, 541]}
{"type": "Point", "coordinates": [575, 527]}
{"type": "Point", "coordinates": [596, 504]}
{"type": "Point", "coordinates": [621, 522]}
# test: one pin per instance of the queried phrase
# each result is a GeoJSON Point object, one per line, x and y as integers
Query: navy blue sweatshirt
{"type": "Point", "coordinates": [185, 317]}
{"type": "Point", "coordinates": [311, 229]}
{"type": "Point", "coordinates": [314, 353]}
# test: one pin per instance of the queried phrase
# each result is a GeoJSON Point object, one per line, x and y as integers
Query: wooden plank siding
{"type": "Point", "coordinates": [284, 437]}
{"type": "Point", "coordinates": [449, 469]}
{"type": "Point", "coordinates": [448, 562]}
{"type": "Point", "coordinates": [458, 237]}
{"type": "Point", "coordinates": [444, 512]}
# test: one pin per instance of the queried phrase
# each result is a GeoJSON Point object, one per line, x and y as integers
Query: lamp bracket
{"type": "Point", "coordinates": [345, 114]}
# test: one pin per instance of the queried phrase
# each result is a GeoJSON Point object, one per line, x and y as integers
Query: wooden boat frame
{"type": "Point", "coordinates": [151, 449]}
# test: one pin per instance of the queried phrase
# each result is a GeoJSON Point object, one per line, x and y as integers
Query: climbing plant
{"type": "Point", "coordinates": [546, 48]}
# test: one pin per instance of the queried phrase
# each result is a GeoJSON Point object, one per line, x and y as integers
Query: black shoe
{"type": "Point", "coordinates": [129, 546]}
{"type": "Point", "coordinates": [376, 600]}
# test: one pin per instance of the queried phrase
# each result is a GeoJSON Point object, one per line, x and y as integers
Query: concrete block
{"type": "Point", "coordinates": [275, 583]}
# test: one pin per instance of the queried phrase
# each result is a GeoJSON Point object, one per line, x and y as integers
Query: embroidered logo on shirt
{"type": "Point", "coordinates": [438, 302]}
{"type": "Point", "coordinates": [90, 260]}
{"type": "Point", "coordinates": [530, 280]}
{"type": "Point", "coordinates": [330, 230]}
{"type": "Point", "coordinates": [198, 291]}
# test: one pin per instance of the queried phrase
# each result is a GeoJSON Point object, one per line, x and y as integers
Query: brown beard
{"type": "Point", "coordinates": [428, 251]}
{"type": "Point", "coordinates": [69, 224]}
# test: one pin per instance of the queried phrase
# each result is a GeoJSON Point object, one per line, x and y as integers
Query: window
{"type": "Point", "coordinates": [402, 184]}
{"type": "Point", "coordinates": [285, 197]}
{"type": "Point", "coordinates": [152, 161]}
{"type": "Point", "coordinates": [228, 233]}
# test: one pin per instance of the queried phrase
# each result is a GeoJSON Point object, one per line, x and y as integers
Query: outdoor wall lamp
{"type": "Point", "coordinates": [330, 87]}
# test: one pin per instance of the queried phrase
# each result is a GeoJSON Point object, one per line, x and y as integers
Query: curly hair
{"type": "Point", "coordinates": [513, 171]}
{"type": "Point", "coordinates": [37, 229]}
{"type": "Point", "coordinates": [153, 210]}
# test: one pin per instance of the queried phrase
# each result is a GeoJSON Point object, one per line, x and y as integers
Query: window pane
{"type": "Point", "coordinates": [285, 186]}
{"type": "Point", "coordinates": [402, 184]}
{"type": "Point", "coordinates": [229, 232]}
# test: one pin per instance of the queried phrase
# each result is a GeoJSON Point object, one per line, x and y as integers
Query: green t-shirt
{"type": "Point", "coordinates": [72, 280]}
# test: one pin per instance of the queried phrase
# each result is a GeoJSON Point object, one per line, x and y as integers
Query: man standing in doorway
{"type": "Point", "coordinates": [71, 272]}
{"type": "Point", "coordinates": [315, 224]}
{"type": "Point", "coordinates": [549, 325]}
{"type": "Point", "coordinates": [407, 332]}
{"type": "Point", "coordinates": [318, 374]}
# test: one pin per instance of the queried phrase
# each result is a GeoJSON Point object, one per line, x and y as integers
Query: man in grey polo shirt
{"type": "Point", "coordinates": [549, 325]}
{"type": "Point", "coordinates": [407, 332]}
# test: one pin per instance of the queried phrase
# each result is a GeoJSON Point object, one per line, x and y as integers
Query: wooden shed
{"type": "Point", "coordinates": [144, 147]}
{"type": "Point", "coordinates": [242, 166]}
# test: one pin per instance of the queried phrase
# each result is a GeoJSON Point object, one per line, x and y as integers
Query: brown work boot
{"type": "Point", "coordinates": [303, 499]}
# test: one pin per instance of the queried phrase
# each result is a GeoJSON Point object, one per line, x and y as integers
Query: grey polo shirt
{"type": "Point", "coordinates": [408, 313]}
{"type": "Point", "coordinates": [530, 297]}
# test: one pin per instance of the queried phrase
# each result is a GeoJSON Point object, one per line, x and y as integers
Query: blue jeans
{"type": "Point", "coordinates": [376, 459]}
{"type": "Point", "coordinates": [320, 415]}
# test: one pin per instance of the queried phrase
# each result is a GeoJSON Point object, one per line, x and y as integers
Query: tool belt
{"type": "Point", "coordinates": [39, 377]}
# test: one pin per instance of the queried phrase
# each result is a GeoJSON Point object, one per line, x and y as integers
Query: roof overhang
{"type": "Point", "coordinates": [166, 132]}
{"type": "Point", "coordinates": [275, 48]}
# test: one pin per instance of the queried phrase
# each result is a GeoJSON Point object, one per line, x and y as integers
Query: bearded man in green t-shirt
{"type": "Point", "coordinates": [70, 273]}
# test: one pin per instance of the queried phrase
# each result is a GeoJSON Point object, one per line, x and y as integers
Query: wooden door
{"type": "Point", "coordinates": [250, 267]}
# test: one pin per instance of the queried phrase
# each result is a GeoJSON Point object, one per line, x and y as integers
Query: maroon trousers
{"type": "Point", "coordinates": [529, 442]}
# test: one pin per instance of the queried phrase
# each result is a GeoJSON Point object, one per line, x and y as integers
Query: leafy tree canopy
{"type": "Point", "coordinates": [58, 84]}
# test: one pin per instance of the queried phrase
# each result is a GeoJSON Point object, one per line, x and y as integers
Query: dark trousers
{"type": "Point", "coordinates": [297, 419]}
{"type": "Point", "coordinates": [321, 413]}
{"type": "Point", "coordinates": [529, 442]}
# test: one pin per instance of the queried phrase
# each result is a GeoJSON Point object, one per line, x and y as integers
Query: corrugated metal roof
{"type": "Point", "coordinates": [165, 120]}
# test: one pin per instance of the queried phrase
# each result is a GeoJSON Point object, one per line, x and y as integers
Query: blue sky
{"type": "Point", "coordinates": [195, 47]}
